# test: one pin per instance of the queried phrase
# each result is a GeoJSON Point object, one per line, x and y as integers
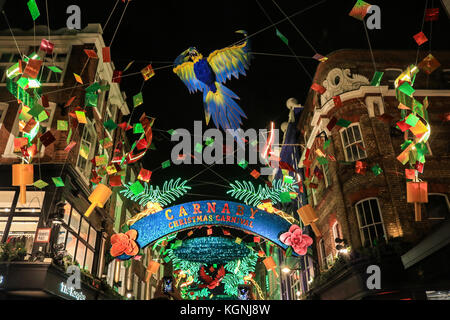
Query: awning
{"type": "Point", "coordinates": [432, 243]}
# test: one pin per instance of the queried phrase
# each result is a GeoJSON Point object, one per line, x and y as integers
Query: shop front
{"type": "Point", "coordinates": [40, 280]}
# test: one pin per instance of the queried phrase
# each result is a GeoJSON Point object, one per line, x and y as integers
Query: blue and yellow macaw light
{"type": "Point", "coordinates": [208, 76]}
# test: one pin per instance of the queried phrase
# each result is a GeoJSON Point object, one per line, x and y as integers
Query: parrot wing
{"type": "Point", "coordinates": [185, 71]}
{"type": "Point", "coordinates": [230, 61]}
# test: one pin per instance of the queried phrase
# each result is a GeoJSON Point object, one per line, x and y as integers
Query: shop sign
{"type": "Point", "coordinates": [43, 235]}
{"type": "Point", "coordinates": [70, 291]}
{"type": "Point", "coordinates": [209, 213]}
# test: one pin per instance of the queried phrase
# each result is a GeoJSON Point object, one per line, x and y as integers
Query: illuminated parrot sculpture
{"type": "Point", "coordinates": [208, 76]}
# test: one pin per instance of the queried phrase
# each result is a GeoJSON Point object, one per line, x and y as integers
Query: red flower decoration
{"type": "Point", "coordinates": [294, 237]}
{"type": "Point", "coordinates": [124, 243]}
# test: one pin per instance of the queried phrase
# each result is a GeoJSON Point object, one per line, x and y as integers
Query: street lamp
{"type": "Point", "coordinates": [342, 246]}
{"type": "Point", "coordinates": [289, 270]}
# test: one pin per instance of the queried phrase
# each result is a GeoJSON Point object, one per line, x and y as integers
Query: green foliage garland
{"type": "Point", "coordinates": [170, 191]}
{"type": "Point", "coordinates": [245, 191]}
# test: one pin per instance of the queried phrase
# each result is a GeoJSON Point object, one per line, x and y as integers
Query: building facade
{"type": "Point", "coordinates": [364, 218]}
{"type": "Point", "coordinates": [83, 240]}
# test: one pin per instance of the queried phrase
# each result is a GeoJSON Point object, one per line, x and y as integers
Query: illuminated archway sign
{"type": "Point", "coordinates": [209, 213]}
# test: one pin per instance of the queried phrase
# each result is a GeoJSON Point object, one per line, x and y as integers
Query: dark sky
{"type": "Point", "coordinates": [159, 31]}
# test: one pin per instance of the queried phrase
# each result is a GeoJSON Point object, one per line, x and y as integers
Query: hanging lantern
{"type": "Point", "coordinates": [152, 268]}
{"type": "Point", "coordinates": [309, 217]}
{"type": "Point", "coordinates": [98, 198]}
{"type": "Point", "coordinates": [22, 175]}
{"type": "Point", "coordinates": [417, 193]}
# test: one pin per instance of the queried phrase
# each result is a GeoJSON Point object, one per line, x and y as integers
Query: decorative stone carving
{"type": "Point", "coordinates": [339, 81]}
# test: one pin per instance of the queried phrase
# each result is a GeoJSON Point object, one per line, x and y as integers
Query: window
{"type": "Point", "coordinates": [118, 213]}
{"type": "Point", "coordinates": [111, 112]}
{"type": "Point", "coordinates": [370, 222]}
{"type": "Point", "coordinates": [58, 59]}
{"type": "Point", "coordinates": [7, 59]}
{"type": "Point", "coordinates": [3, 110]}
{"type": "Point", "coordinates": [15, 133]}
{"type": "Point", "coordinates": [353, 143]}
{"type": "Point", "coordinates": [45, 76]}
{"type": "Point", "coordinates": [336, 231]}
{"type": "Point", "coordinates": [79, 237]}
{"type": "Point", "coordinates": [326, 175]}
{"type": "Point", "coordinates": [437, 207]}
{"type": "Point", "coordinates": [102, 96]}
{"type": "Point", "coordinates": [88, 140]}
{"type": "Point", "coordinates": [390, 74]}
{"type": "Point", "coordinates": [322, 252]}
{"type": "Point", "coordinates": [296, 285]}
{"type": "Point", "coordinates": [25, 217]}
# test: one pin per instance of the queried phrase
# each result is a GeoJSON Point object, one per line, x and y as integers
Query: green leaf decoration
{"type": "Point", "coordinates": [246, 192]}
{"type": "Point", "coordinates": [171, 190]}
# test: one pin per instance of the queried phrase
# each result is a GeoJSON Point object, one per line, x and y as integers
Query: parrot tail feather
{"type": "Point", "coordinates": [221, 107]}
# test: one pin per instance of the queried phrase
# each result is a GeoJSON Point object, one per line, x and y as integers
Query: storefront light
{"type": "Point", "coordinates": [286, 270]}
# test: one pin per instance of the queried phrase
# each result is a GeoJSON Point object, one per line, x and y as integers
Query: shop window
{"type": "Point", "coordinates": [6, 200]}
{"type": "Point", "coordinates": [25, 217]}
{"type": "Point", "coordinates": [370, 222]}
{"type": "Point", "coordinates": [353, 143]}
{"type": "Point", "coordinates": [76, 233]}
{"type": "Point", "coordinates": [438, 207]}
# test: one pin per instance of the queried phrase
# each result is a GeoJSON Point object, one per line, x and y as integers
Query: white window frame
{"type": "Point", "coordinates": [9, 149]}
{"type": "Point", "coordinates": [111, 113]}
{"type": "Point", "coordinates": [373, 224]}
{"type": "Point", "coordinates": [335, 229]}
{"type": "Point", "coordinates": [60, 64]}
{"type": "Point", "coordinates": [325, 174]}
{"type": "Point", "coordinates": [86, 171]}
{"type": "Point", "coordinates": [359, 151]}
{"type": "Point", "coordinates": [392, 81]}
{"type": "Point", "coordinates": [4, 108]}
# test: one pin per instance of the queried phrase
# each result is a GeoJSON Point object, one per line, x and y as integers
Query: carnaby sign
{"type": "Point", "coordinates": [207, 213]}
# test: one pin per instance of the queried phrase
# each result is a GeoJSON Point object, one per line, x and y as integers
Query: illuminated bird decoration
{"type": "Point", "coordinates": [208, 76]}
{"type": "Point", "coordinates": [211, 282]}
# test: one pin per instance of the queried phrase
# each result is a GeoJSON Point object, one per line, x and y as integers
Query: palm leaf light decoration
{"type": "Point", "coordinates": [170, 191]}
{"type": "Point", "coordinates": [245, 191]}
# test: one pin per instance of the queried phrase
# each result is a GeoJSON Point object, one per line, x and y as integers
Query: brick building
{"type": "Point", "coordinates": [85, 239]}
{"type": "Point", "coordinates": [370, 211]}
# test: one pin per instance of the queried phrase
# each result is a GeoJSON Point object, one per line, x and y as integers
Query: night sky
{"type": "Point", "coordinates": [158, 31]}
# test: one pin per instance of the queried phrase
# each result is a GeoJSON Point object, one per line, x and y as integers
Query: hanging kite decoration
{"type": "Point", "coordinates": [209, 74]}
{"type": "Point", "coordinates": [414, 119]}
